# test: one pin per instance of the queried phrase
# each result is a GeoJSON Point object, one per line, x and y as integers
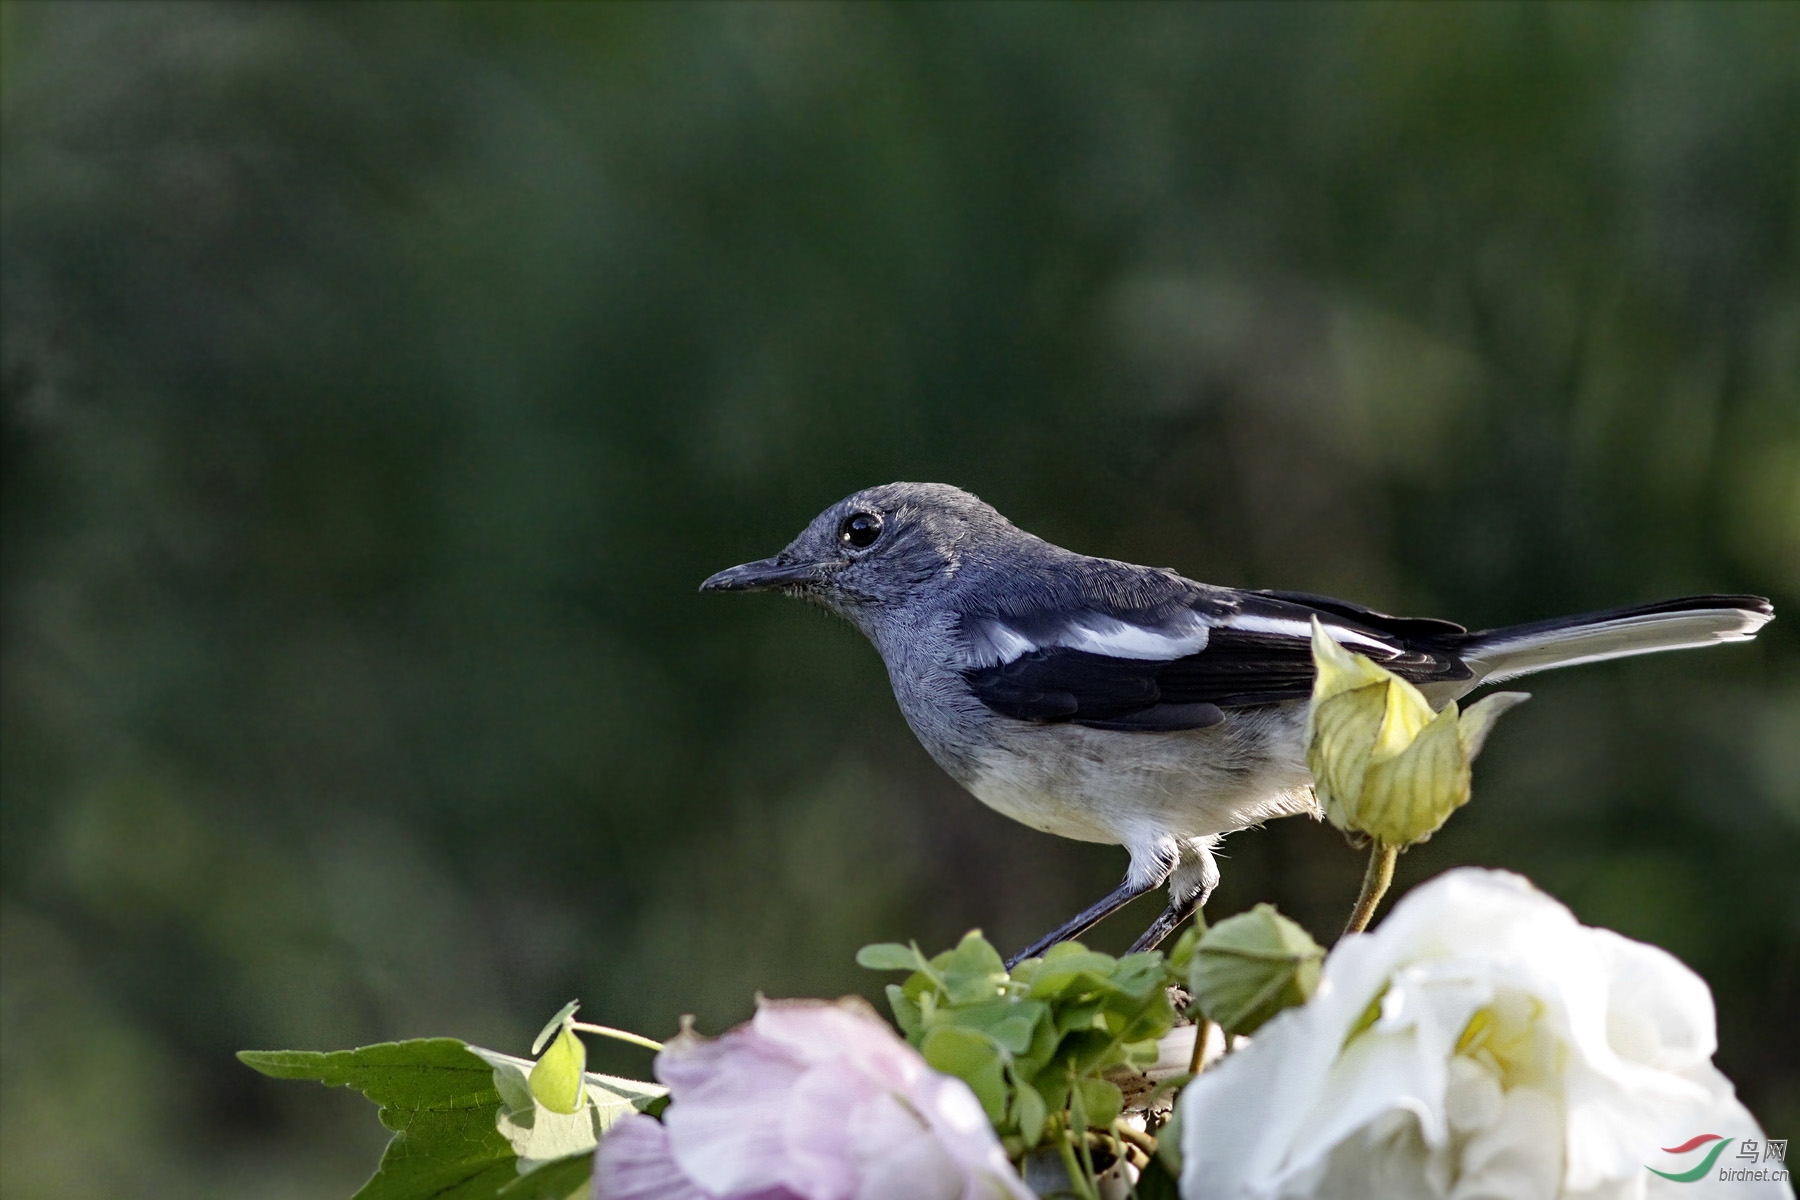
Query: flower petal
{"type": "Point", "coordinates": [633, 1162]}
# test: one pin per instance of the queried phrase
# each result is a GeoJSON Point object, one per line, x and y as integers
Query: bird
{"type": "Point", "coordinates": [1108, 702]}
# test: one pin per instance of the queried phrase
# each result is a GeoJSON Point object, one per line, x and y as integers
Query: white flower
{"type": "Point", "coordinates": [808, 1101]}
{"type": "Point", "coordinates": [1480, 1043]}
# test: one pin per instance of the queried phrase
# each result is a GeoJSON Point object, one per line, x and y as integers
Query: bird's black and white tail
{"type": "Point", "coordinates": [1499, 654]}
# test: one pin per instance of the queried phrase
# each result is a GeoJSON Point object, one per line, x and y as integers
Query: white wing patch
{"type": "Point", "coordinates": [1003, 645]}
{"type": "Point", "coordinates": [1119, 639]}
{"type": "Point", "coordinates": [995, 643]}
{"type": "Point", "coordinates": [1302, 630]}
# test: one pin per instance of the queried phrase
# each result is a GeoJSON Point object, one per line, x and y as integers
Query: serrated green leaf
{"type": "Point", "coordinates": [437, 1097]}
{"type": "Point", "coordinates": [559, 1179]}
{"type": "Point", "coordinates": [555, 1079]}
{"type": "Point", "coordinates": [889, 956]}
{"type": "Point", "coordinates": [538, 1134]}
{"type": "Point", "coordinates": [464, 1120]}
{"type": "Point", "coordinates": [425, 1072]}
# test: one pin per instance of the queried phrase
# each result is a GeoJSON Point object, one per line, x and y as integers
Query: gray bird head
{"type": "Point", "coordinates": [878, 550]}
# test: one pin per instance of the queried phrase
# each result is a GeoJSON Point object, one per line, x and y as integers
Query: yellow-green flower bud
{"type": "Point", "coordinates": [1249, 967]}
{"type": "Point", "coordinates": [1384, 764]}
{"type": "Point", "coordinates": [556, 1080]}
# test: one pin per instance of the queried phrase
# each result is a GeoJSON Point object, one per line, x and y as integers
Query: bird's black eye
{"type": "Point", "coordinates": [860, 529]}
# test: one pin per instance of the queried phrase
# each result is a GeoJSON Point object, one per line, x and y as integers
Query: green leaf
{"type": "Point", "coordinates": [465, 1122]}
{"type": "Point", "coordinates": [1027, 971]}
{"type": "Point", "coordinates": [974, 971]}
{"type": "Point", "coordinates": [1053, 1086]}
{"type": "Point", "coordinates": [906, 1013]}
{"type": "Point", "coordinates": [559, 1179]}
{"type": "Point", "coordinates": [1249, 967]}
{"type": "Point", "coordinates": [1089, 1050]}
{"type": "Point", "coordinates": [1168, 1143]}
{"type": "Point", "coordinates": [1076, 1017]}
{"type": "Point", "coordinates": [1156, 1182]}
{"type": "Point", "coordinates": [1029, 1114]}
{"type": "Point", "coordinates": [1010, 1022]}
{"type": "Point", "coordinates": [1183, 953]}
{"type": "Point", "coordinates": [437, 1097]}
{"type": "Point", "coordinates": [426, 1072]}
{"type": "Point", "coordinates": [1044, 1040]}
{"type": "Point", "coordinates": [1154, 1019]}
{"type": "Point", "coordinates": [1100, 1101]}
{"type": "Point", "coordinates": [538, 1134]}
{"type": "Point", "coordinates": [890, 956]}
{"type": "Point", "coordinates": [1142, 1054]}
{"type": "Point", "coordinates": [1014, 1032]}
{"type": "Point", "coordinates": [1076, 970]}
{"type": "Point", "coordinates": [972, 1057]}
{"type": "Point", "coordinates": [1139, 975]}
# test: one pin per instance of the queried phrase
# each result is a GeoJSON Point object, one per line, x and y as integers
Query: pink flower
{"type": "Point", "coordinates": [808, 1101]}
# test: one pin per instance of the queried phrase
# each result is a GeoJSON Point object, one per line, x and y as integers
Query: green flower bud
{"type": "Point", "coordinates": [1384, 763]}
{"type": "Point", "coordinates": [556, 1081]}
{"type": "Point", "coordinates": [1249, 967]}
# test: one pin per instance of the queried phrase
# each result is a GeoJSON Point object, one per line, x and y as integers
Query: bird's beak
{"type": "Point", "coordinates": [762, 576]}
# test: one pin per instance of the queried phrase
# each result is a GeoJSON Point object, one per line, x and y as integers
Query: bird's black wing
{"type": "Point", "coordinates": [1181, 667]}
{"type": "Point", "coordinates": [1423, 631]}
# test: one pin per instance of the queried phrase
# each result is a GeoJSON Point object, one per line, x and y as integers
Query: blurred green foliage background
{"type": "Point", "coordinates": [380, 380]}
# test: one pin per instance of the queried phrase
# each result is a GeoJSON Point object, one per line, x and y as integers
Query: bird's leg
{"type": "Point", "coordinates": [1151, 864]}
{"type": "Point", "coordinates": [1177, 912]}
{"type": "Point", "coordinates": [1190, 885]}
{"type": "Point", "coordinates": [1134, 886]}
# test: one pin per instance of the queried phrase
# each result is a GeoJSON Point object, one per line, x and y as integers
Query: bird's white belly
{"type": "Point", "coordinates": [1104, 786]}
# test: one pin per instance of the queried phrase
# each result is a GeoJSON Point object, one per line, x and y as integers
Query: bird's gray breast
{"type": "Point", "coordinates": [1093, 784]}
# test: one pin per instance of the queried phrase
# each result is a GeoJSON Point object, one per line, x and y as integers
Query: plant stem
{"type": "Point", "coordinates": [617, 1034]}
{"type": "Point", "coordinates": [1202, 1039]}
{"type": "Point", "coordinates": [1065, 1146]}
{"type": "Point", "coordinates": [1375, 885]}
{"type": "Point", "coordinates": [1141, 1140]}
